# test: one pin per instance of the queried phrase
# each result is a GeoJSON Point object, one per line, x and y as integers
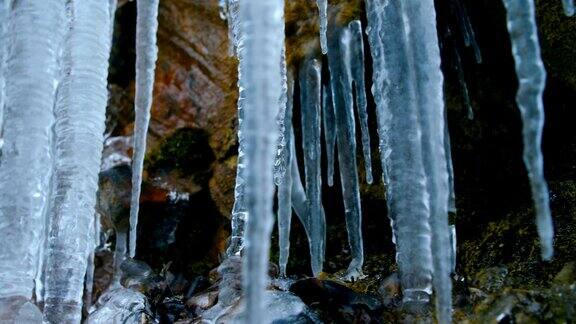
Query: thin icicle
{"type": "Point", "coordinates": [146, 54]}
{"type": "Point", "coordinates": [31, 69]}
{"type": "Point", "coordinates": [310, 101]}
{"type": "Point", "coordinates": [80, 113]}
{"type": "Point", "coordinates": [467, 30]}
{"type": "Point", "coordinates": [357, 66]}
{"type": "Point", "coordinates": [339, 58]}
{"type": "Point", "coordinates": [282, 150]}
{"type": "Point", "coordinates": [3, 48]}
{"type": "Point", "coordinates": [568, 7]}
{"type": "Point", "coordinates": [262, 26]}
{"type": "Point", "coordinates": [323, 15]}
{"type": "Point", "coordinates": [89, 282]}
{"type": "Point", "coordinates": [285, 186]}
{"type": "Point", "coordinates": [532, 79]}
{"type": "Point", "coordinates": [329, 124]}
{"type": "Point", "coordinates": [449, 166]}
{"type": "Point", "coordinates": [119, 257]}
{"type": "Point", "coordinates": [425, 55]}
{"type": "Point", "coordinates": [401, 148]}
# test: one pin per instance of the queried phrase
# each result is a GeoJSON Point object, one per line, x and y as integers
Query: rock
{"type": "Point", "coordinates": [491, 279]}
{"type": "Point", "coordinates": [390, 291]}
{"type": "Point", "coordinates": [336, 302]}
{"type": "Point", "coordinates": [567, 275]}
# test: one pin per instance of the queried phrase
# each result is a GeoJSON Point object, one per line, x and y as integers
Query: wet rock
{"type": "Point", "coordinates": [491, 279]}
{"type": "Point", "coordinates": [567, 275]}
{"type": "Point", "coordinates": [390, 291]}
{"type": "Point", "coordinates": [337, 303]}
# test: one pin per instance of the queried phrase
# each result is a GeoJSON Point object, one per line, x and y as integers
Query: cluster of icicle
{"type": "Point", "coordinates": [53, 96]}
{"type": "Point", "coordinates": [413, 138]}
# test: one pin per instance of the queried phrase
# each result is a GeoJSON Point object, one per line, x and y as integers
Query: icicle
{"type": "Point", "coordinates": [146, 54]}
{"type": "Point", "coordinates": [449, 166]}
{"type": "Point", "coordinates": [568, 7]}
{"type": "Point", "coordinates": [466, 28]}
{"type": "Point", "coordinates": [339, 58]}
{"type": "Point", "coordinates": [80, 115]}
{"type": "Point", "coordinates": [310, 100]}
{"type": "Point", "coordinates": [283, 121]}
{"type": "Point", "coordinates": [262, 27]}
{"type": "Point", "coordinates": [463, 85]}
{"type": "Point", "coordinates": [119, 257]}
{"type": "Point", "coordinates": [32, 38]}
{"type": "Point", "coordinates": [285, 186]}
{"type": "Point", "coordinates": [425, 55]}
{"type": "Point", "coordinates": [329, 122]}
{"type": "Point", "coordinates": [89, 281]}
{"type": "Point", "coordinates": [323, 15]}
{"type": "Point", "coordinates": [357, 66]}
{"type": "Point", "coordinates": [232, 11]}
{"type": "Point", "coordinates": [532, 78]}
{"type": "Point", "coordinates": [3, 48]}
{"type": "Point", "coordinates": [400, 147]}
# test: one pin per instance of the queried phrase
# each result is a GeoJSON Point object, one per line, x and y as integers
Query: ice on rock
{"type": "Point", "coordinates": [119, 306]}
{"type": "Point", "coordinates": [31, 69]}
{"type": "Point", "coordinates": [568, 7]}
{"type": "Point", "coordinates": [262, 28]}
{"type": "Point", "coordinates": [146, 54]}
{"type": "Point", "coordinates": [323, 15]}
{"type": "Point", "coordinates": [310, 101]}
{"type": "Point", "coordinates": [532, 78]}
{"type": "Point", "coordinates": [425, 54]}
{"type": "Point", "coordinates": [468, 34]}
{"type": "Point", "coordinates": [341, 79]}
{"type": "Point", "coordinates": [401, 147]}
{"type": "Point", "coordinates": [80, 115]}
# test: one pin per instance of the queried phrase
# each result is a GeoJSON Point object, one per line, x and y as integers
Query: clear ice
{"type": "Point", "coordinates": [310, 101]}
{"type": "Point", "coordinates": [425, 54]}
{"type": "Point", "coordinates": [328, 120]}
{"type": "Point", "coordinates": [531, 81]}
{"type": "Point", "coordinates": [262, 29]}
{"type": "Point", "coordinates": [146, 54]}
{"type": "Point", "coordinates": [401, 147]}
{"type": "Point", "coordinates": [34, 32]}
{"type": "Point", "coordinates": [568, 7]}
{"type": "Point", "coordinates": [341, 79]}
{"type": "Point", "coordinates": [80, 113]}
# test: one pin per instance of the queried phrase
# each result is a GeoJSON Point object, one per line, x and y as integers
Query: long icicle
{"type": "Point", "coordinates": [357, 66]}
{"type": "Point", "coordinates": [400, 148]}
{"type": "Point", "coordinates": [31, 70]}
{"type": "Point", "coordinates": [310, 100]}
{"type": "Point", "coordinates": [339, 57]}
{"type": "Point", "coordinates": [3, 49]}
{"type": "Point", "coordinates": [425, 54]}
{"type": "Point", "coordinates": [532, 79]}
{"type": "Point", "coordinates": [285, 186]}
{"type": "Point", "coordinates": [329, 127]}
{"type": "Point", "coordinates": [262, 26]}
{"type": "Point", "coordinates": [80, 113]}
{"type": "Point", "coordinates": [146, 54]}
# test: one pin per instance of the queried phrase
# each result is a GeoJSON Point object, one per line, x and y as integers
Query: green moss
{"type": "Point", "coordinates": [186, 150]}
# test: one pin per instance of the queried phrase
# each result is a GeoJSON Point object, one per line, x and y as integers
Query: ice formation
{"type": "Point", "coordinates": [53, 71]}
{"type": "Point", "coordinates": [310, 101]}
{"type": "Point", "coordinates": [34, 32]}
{"type": "Point", "coordinates": [323, 15]}
{"type": "Point", "coordinates": [531, 78]}
{"type": "Point", "coordinates": [341, 80]}
{"type": "Point", "coordinates": [262, 29]}
{"type": "Point", "coordinates": [146, 53]}
{"type": "Point", "coordinates": [80, 114]}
